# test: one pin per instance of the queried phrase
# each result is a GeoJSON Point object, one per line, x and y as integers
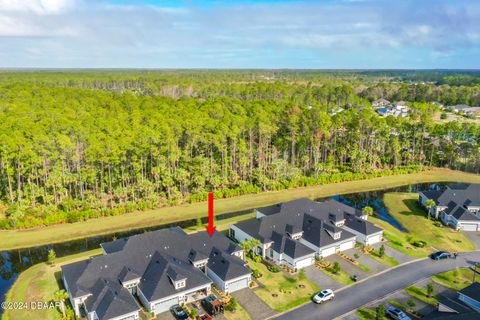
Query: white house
{"type": "Point", "coordinates": [458, 206]}
{"type": "Point", "coordinates": [293, 233]}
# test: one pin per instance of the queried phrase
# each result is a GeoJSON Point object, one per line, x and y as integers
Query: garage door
{"type": "Point", "coordinates": [469, 226]}
{"type": "Point", "coordinates": [374, 239]}
{"type": "Point", "coordinates": [327, 252]}
{"type": "Point", "coordinates": [347, 245]}
{"type": "Point", "coordinates": [304, 263]}
{"type": "Point", "coordinates": [165, 305]}
{"type": "Point", "coordinates": [237, 285]}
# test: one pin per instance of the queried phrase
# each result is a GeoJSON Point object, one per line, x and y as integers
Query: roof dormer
{"type": "Point", "coordinates": [336, 219]}
{"type": "Point", "coordinates": [178, 280]}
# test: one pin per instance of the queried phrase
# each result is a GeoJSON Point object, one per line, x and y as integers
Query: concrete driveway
{"type": "Point", "coordinates": [320, 278]}
{"type": "Point", "coordinates": [366, 260]}
{"type": "Point", "coordinates": [395, 254]}
{"type": "Point", "coordinates": [255, 306]}
{"type": "Point", "coordinates": [378, 286]}
{"type": "Point", "coordinates": [474, 237]}
{"type": "Point", "coordinates": [347, 266]}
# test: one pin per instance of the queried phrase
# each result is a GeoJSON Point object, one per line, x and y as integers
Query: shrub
{"type": "Point", "coordinates": [256, 273]}
{"type": "Point", "coordinates": [356, 256]}
{"type": "Point", "coordinates": [380, 312]}
{"type": "Point", "coordinates": [336, 268]}
{"type": "Point", "coordinates": [419, 243]}
{"type": "Point", "coordinates": [232, 305]}
{"type": "Point", "coordinates": [273, 268]}
{"type": "Point", "coordinates": [411, 303]}
{"type": "Point", "coordinates": [381, 251]}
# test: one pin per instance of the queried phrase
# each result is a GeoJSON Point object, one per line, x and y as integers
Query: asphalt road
{"type": "Point", "coordinates": [371, 289]}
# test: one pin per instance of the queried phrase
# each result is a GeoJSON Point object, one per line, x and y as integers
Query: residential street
{"type": "Point", "coordinates": [353, 297]}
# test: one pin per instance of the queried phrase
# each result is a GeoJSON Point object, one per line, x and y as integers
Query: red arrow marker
{"type": "Point", "coordinates": [211, 226]}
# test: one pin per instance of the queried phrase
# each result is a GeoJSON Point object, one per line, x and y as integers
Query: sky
{"type": "Point", "coordinates": [322, 34]}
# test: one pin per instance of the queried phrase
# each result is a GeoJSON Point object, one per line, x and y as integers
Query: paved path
{"type": "Point", "coordinates": [321, 278]}
{"type": "Point", "coordinates": [378, 286]}
{"type": "Point", "coordinates": [255, 306]}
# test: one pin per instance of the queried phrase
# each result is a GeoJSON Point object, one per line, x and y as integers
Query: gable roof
{"type": "Point", "coordinates": [472, 291]}
{"type": "Point", "coordinates": [226, 266]}
{"type": "Point", "coordinates": [110, 300]}
{"type": "Point", "coordinates": [460, 194]}
{"type": "Point", "coordinates": [313, 218]}
{"type": "Point", "coordinates": [360, 225]}
{"type": "Point", "coordinates": [292, 248]}
{"type": "Point", "coordinates": [159, 258]}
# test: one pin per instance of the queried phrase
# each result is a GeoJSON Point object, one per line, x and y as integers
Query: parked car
{"type": "Point", "coordinates": [212, 305]}
{"type": "Point", "coordinates": [204, 317]}
{"type": "Point", "coordinates": [440, 255]}
{"type": "Point", "coordinates": [178, 312]}
{"type": "Point", "coordinates": [324, 295]}
{"type": "Point", "coordinates": [397, 314]}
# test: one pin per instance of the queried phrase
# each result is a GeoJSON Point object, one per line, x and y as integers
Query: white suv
{"type": "Point", "coordinates": [324, 295]}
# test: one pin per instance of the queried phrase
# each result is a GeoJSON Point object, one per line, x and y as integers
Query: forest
{"type": "Point", "coordinates": [81, 144]}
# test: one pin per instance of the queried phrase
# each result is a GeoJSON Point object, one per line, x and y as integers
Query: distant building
{"type": "Point", "coordinates": [335, 110]}
{"type": "Point", "coordinates": [380, 103]}
{"type": "Point", "coordinates": [460, 107]}
{"type": "Point", "coordinates": [396, 111]}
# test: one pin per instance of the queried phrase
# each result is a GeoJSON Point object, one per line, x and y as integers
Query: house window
{"type": "Point", "coordinates": [180, 284]}
{"type": "Point", "coordinates": [232, 233]}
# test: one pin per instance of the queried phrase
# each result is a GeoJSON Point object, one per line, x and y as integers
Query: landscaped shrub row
{"type": "Point", "coordinates": [70, 211]}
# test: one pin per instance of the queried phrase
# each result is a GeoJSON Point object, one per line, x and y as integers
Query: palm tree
{"type": "Point", "coordinates": [367, 210]}
{"type": "Point", "coordinates": [429, 204]}
{"type": "Point", "coordinates": [61, 296]}
{"type": "Point", "coordinates": [249, 244]}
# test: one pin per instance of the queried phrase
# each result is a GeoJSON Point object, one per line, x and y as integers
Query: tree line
{"type": "Point", "coordinates": [70, 152]}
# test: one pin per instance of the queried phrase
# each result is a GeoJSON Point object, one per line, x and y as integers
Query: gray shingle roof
{"type": "Point", "coordinates": [360, 225]}
{"type": "Point", "coordinates": [110, 300]}
{"type": "Point", "coordinates": [292, 248]}
{"type": "Point", "coordinates": [311, 217]}
{"type": "Point", "coordinates": [458, 193]}
{"type": "Point", "coordinates": [127, 274]}
{"type": "Point", "coordinates": [158, 257]}
{"type": "Point", "coordinates": [462, 214]}
{"type": "Point", "coordinates": [472, 291]}
{"type": "Point", "coordinates": [226, 266]}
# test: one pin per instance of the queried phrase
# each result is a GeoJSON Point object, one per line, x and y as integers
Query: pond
{"type": "Point", "coordinates": [13, 262]}
{"type": "Point", "coordinates": [374, 199]}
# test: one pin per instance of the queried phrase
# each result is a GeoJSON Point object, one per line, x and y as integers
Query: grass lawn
{"type": "Point", "coordinates": [239, 314]}
{"type": "Point", "coordinates": [39, 283]}
{"type": "Point", "coordinates": [341, 276]}
{"type": "Point", "coordinates": [404, 207]}
{"type": "Point", "coordinates": [366, 314]}
{"type": "Point", "coordinates": [363, 267]}
{"type": "Point", "coordinates": [223, 224]}
{"type": "Point", "coordinates": [455, 279]}
{"type": "Point", "coordinates": [12, 239]}
{"type": "Point", "coordinates": [288, 290]}
{"type": "Point", "coordinates": [421, 294]}
{"type": "Point", "coordinates": [386, 259]}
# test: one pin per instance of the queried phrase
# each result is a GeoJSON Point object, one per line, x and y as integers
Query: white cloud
{"type": "Point", "coordinates": [124, 35]}
{"type": "Point", "coordinates": [37, 6]}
